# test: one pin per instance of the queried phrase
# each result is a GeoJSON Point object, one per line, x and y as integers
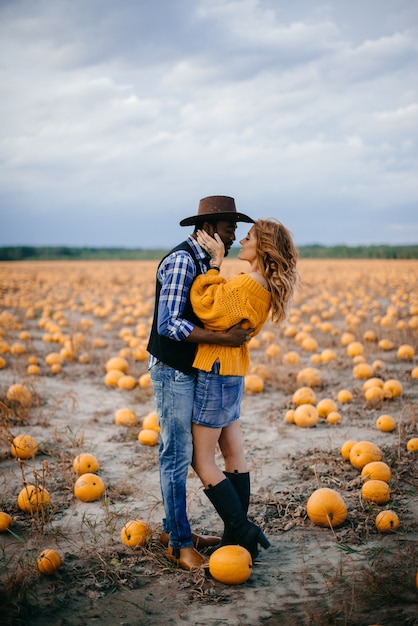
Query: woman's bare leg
{"type": "Point", "coordinates": [205, 441]}
{"type": "Point", "coordinates": [230, 443]}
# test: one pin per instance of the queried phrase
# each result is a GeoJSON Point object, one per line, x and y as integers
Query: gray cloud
{"type": "Point", "coordinates": [117, 117]}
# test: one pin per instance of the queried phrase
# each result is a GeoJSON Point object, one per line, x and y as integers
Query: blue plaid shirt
{"type": "Point", "coordinates": [176, 275]}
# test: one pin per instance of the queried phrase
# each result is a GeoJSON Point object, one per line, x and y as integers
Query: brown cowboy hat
{"type": "Point", "coordinates": [216, 208]}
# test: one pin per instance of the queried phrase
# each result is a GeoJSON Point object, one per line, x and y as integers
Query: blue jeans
{"type": "Point", "coordinates": [174, 397]}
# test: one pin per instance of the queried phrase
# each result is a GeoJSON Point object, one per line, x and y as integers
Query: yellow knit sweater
{"type": "Point", "coordinates": [220, 304]}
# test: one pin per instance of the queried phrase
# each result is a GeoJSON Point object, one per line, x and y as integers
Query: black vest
{"type": "Point", "coordinates": [177, 354]}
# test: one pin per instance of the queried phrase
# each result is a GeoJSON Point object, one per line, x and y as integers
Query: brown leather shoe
{"type": "Point", "coordinates": [186, 558]}
{"type": "Point", "coordinates": [199, 541]}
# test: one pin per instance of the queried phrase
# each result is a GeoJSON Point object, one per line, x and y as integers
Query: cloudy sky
{"type": "Point", "coordinates": [117, 117]}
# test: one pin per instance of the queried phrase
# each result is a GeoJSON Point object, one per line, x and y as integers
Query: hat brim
{"type": "Point", "coordinates": [216, 217]}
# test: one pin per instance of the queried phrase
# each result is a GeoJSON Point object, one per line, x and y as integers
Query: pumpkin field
{"type": "Point", "coordinates": [330, 428]}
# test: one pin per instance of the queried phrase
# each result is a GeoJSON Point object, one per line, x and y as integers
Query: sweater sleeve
{"type": "Point", "coordinates": [219, 303]}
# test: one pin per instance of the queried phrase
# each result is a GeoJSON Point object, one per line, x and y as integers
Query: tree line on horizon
{"type": "Point", "coordinates": [314, 251]}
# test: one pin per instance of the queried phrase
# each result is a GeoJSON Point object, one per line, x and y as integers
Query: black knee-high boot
{"type": "Point", "coordinates": [228, 506]}
{"type": "Point", "coordinates": [241, 483]}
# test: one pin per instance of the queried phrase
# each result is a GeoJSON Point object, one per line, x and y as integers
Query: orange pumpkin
{"type": "Point", "coordinates": [364, 452]}
{"type": "Point", "coordinates": [150, 422]}
{"type": "Point", "coordinates": [33, 498]}
{"type": "Point", "coordinates": [20, 394]}
{"type": "Point", "coordinates": [344, 396]}
{"type": "Point", "coordinates": [148, 437]}
{"type": "Point", "coordinates": [5, 521]}
{"type": "Point", "coordinates": [326, 507]}
{"type": "Point", "coordinates": [385, 423]}
{"type": "Point", "coordinates": [48, 561]}
{"type": "Point", "coordinates": [112, 377]}
{"type": "Point", "coordinates": [126, 417]}
{"type": "Point", "coordinates": [117, 363]}
{"type": "Point", "coordinates": [412, 444]}
{"type": "Point", "coordinates": [309, 376]}
{"type": "Point", "coordinates": [392, 388]}
{"type": "Point", "coordinates": [325, 407]}
{"type": "Point", "coordinates": [406, 352]}
{"type": "Point", "coordinates": [231, 565]}
{"type": "Point", "coordinates": [346, 449]}
{"type": "Point", "coordinates": [85, 463]}
{"type": "Point", "coordinates": [334, 417]}
{"type": "Point", "coordinates": [306, 416]}
{"type": "Point", "coordinates": [24, 447]}
{"type": "Point", "coordinates": [376, 491]}
{"type": "Point", "coordinates": [304, 395]}
{"type": "Point", "coordinates": [376, 470]}
{"type": "Point", "coordinates": [89, 487]}
{"type": "Point", "coordinates": [253, 383]}
{"type": "Point", "coordinates": [135, 533]}
{"type": "Point", "coordinates": [127, 382]}
{"type": "Point", "coordinates": [387, 521]}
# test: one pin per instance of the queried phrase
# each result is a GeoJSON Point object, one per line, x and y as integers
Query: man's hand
{"type": "Point", "coordinates": [238, 334]}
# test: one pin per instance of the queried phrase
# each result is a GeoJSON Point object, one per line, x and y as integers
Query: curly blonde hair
{"type": "Point", "coordinates": [277, 257]}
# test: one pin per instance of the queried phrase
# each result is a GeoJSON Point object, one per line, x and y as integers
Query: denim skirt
{"type": "Point", "coordinates": [217, 400]}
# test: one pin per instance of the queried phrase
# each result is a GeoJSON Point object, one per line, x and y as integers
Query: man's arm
{"type": "Point", "coordinates": [235, 337]}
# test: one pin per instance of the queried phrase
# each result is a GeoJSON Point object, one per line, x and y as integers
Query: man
{"type": "Point", "coordinates": [175, 333]}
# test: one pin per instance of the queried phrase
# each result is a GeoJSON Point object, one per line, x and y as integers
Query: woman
{"type": "Point", "coordinates": [266, 289]}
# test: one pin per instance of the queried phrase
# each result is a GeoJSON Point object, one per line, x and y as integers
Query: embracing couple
{"type": "Point", "coordinates": [198, 357]}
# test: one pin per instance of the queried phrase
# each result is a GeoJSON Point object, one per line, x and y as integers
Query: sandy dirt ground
{"type": "Point", "coordinates": [350, 575]}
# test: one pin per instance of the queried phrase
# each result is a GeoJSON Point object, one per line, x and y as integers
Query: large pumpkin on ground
{"type": "Point", "coordinates": [306, 416]}
{"type": "Point", "coordinates": [32, 498]}
{"type": "Point", "coordinates": [231, 565]}
{"type": "Point", "coordinates": [376, 491]}
{"type": "Point", "coordinates": [5, 521]}
{"type": "Point", "coordinates": [364, 452]}
{"type": "Point", "coordinates": [376, 470]}
{"type": "Point", "coordinates": [48, 561]}
{"type": "Point", "coordinates": [89, 487]}
{"type": "Point", "coordinates": [387, 521]}
{"type": "Point", "coordinates": [24, 447]}
{"type": "Point", "coordinates": [326, 507]}
{"type": "Point", "coordinates": [85, 463]}
{"type": "Point", "coordinates": [135, 533]}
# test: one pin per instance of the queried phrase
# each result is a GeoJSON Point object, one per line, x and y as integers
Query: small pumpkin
{"type": "Point", "coordinates": [126, 417]}
{"type": "Point", "coordinates": [304, 395]}
{"type": "Point", "coordinates": [406, 352]}
{"type": "Point", "coordinates": [412, 444]}
{"type": "Point", "coordinates": [364, 452]}
{"type": "Point", "coordinates": [310, 376]}
{"type": "Point", "coordinates": [85, 463]}
{"type": "Point", "coordinates": [231, 565]}
{"type": "Point", "coordinates": [112, 377]}
{"type": "Point", "coordinates": [326, 507]}
{"type": "Point", "coordinates": [387, 521]}
{"type": "Point", "coordinates": [273, 351]}
{"type": "Point", "coordinates": [150, 422]}
{"type": "Point", "coordinates": [20, 394]}
{"type": "Point", "coordinates": [334, 417]}
{"type": "Point", "coordinates": [289, 417]}
{"type": "Point", "coordinates": [374, 395]}
{"type": "Point", "coordinates": [346, 448]}
{"type": "Point", "coordinates": [5, 521]}
{"type": "Point", "coordinates": [253, 383]}
{"type": "Point", "coordinates": [325, 407]}
{"type": "Point", "coordinates": [148, 437]}
{"type": "Point", "coordinates": [117, 363]}
{"type": "Point", "coordinates": [344, 396]}
{"type": "Point", "coordinates": [89, 487]}
{"type": "Point", "coordinates": [24, 447]}
{"type": "Point", "coordinates": [362, 370]}
{"type": "Point", "coordinates": [306, 416]}
{"type": "Point", "coordinates": [376, 491]}
{"type": "Point", "coordinates": [385, 423]}
{"type": "Point", "coordinates": [48, 561]}
{"type": "Point", "coordinates": [127, 382]}
{"type": "Point", "coordinates": [376, 470]}
{"type": "Point", "coordinates": [33, 498]}
{"type": "Point", "coordinates": [392, 388]}
{"type": "Point", "coordinates": [355, 348]}
{"type": "Point", "coordinates": [145, 381]}
{"type": "Point", "coordinates": [135, 533]}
